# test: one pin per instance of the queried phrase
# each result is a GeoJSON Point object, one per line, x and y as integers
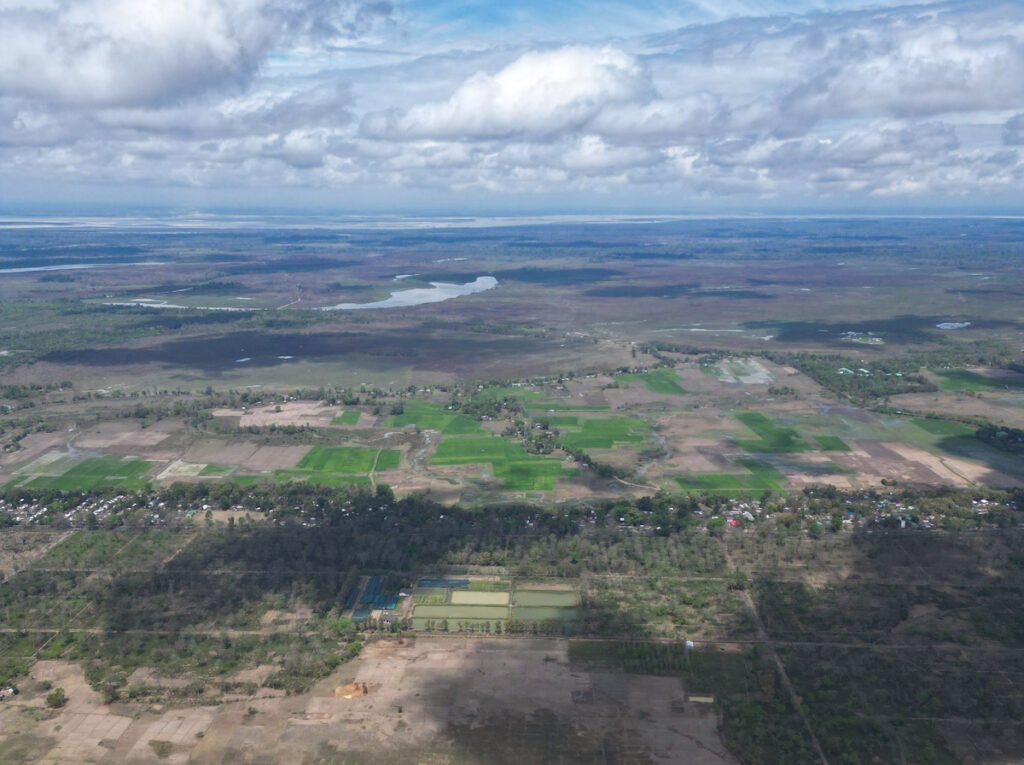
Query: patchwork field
{"type": "Point", "coordinates": [518, 470]}
{"type": "Point", "coordinates": [91, 473]}
{"type": "Point", "coordinates": [657, 380]}
{"type": "Point", "coordinates": [715, 435]}
{"type": "Point", "coordinates": [432, 416]}
{"type": "Point", "coordinates": [604, 433]}
{"type": "Point", "coordinates": [461, 605]}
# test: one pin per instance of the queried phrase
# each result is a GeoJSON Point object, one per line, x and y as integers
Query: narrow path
{"type": "Point", "coordinates": [373, 479]}
{"type": "Point", "coordinates": [638, 485]}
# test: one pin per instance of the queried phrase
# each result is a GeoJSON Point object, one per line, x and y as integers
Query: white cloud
{"type": "Point", "coordinates": [1013, 130]}
{"type": "Point", "coordinates": [540, 93]}
{"type": "Point", "coordinates": [914, 101]}
{"type": "Point", "coordinates": [123, 52]}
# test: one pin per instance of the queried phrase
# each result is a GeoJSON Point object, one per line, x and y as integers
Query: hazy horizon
{"type": "Point", "coordinates": [441, 107]}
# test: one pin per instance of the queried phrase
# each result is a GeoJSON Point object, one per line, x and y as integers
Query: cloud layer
{"type": "Point", "coordinates": [919, 102]}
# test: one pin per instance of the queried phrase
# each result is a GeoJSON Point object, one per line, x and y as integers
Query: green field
{"type": "Point", "coordinates": [605, 433]}
{"type": "Point", "coordinates": [944, 427]}
{"type": "Point", "coordinates": [327, 479]}
{"type": "Point", "coordinates": [771, 437]}
{"type": "Point", "coordinates": [761, 477]}
{"type": "Point", "coordinates": [545, 598]}
{"type": "Point", "coordinates": [540, 409]}
{"type": "Point", "coordinates": [509, 461]}
{"type": "Point", "coordinates": [487, 585]}
{"type": "Point", "coordinates": [832, 444]}
{"type": "Point", "coordinates": [965, 380]}
{"type": "Point", "coordinates": [430, 416]}
{"type": "Point", "coordinates": [559, 420]}
{"type": "Point", "coordinates": [215, 470]}
{"type": "Point", "coordinates": [336, 466]}
{"type": "Point", "coordinates": [543, 613]}
{"type": "Point", "coordinates": [664, 381]}
{"type": "Point", "coordinates": [430, 596]}
{"type": "Point", "coordinates": [348, 459]}
{"type": "Point", "coordinates": [470, 598]}
{"type": "Point", "coordinates": [460, 612]}
{"type": "Point", "coordinates": [99, 471]}
{"type": "Point", "coordinates": [348, 417]}
{"type": "Point", "coordinates": [499, 392]}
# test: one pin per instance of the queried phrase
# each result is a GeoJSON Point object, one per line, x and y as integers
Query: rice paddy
{"type": "Point", "coordinates": [349, 459]}
{"type": "Point", "coordinates": [966, 380]}
{"type": "Point", "coordinates": [215, 470]}
{"type": "Point", "coordinates": [771, 438]}
{"type": "Point", "coordinates": [664, 381]}
{"type": "Point", "coordinates": [430, 416]}
{"type": "Point", "coordinates": [832, 444]}
{"type": "Point", "coordinates": [605, 433]}
{"type": "Point", "coordinates": [944, 427]}
{"type": "Point", "coordinates": [92, 473]}
{"type": "Point", "coordinates": [760, 477]}
{"type": "Point", "coordinates": [348, 417]}
{"type": "Point", "coordinates": [509, 461]}
{"type": "Point", "coordinates": [337, 466]}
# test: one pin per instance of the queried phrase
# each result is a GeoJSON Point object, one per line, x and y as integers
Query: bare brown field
{"type": "Point", "coordinates": [130, 436]}
{"type": "Point", "coordinates": [873, 461]}
{"type": "Point", "coordinates": [431, 700]}
{"type": "Point", "coordinates": [33, 446]}
{"type": "Point", "coordinates": [1002, 409]}
{"type": "Point", "coordinates": [299, 413]}
{"type": "Point", "coordinates": [248, 455]}
{"type": "Point", "coordinates": [958, 472]}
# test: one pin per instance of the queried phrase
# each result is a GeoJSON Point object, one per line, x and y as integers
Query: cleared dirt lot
{"type": "Point", "coordinates": [297, 413]}
{"type": "Point", "coordinates": [119, 436]}
{"type": "Point", "coordinates": [428, 700]}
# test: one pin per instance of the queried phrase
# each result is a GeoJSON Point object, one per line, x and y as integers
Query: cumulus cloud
{"type": "Point", "coordinates": [900, 102]}
{"type": "Point", "coordinates": [1013, 130]}
{"type": "Point", "coordinates": [539, 93]}
{"type": "Point", "coordinates": [132, 52]}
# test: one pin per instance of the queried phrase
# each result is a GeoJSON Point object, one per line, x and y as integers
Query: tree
{"type": "Point", "coordinates": [56, 698]}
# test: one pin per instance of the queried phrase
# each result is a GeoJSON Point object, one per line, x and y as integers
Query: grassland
{"type": "Point", "coordinates": [832, 444]}
{"type": "Point", "coordinates": [338, 465]}
{"type": "Point", "coordinates": [760, 477]}
{"type": "Point", "coordinates": [349, 460]}
{"type": "Point", "coordinates": [518, 470]}
{"type": "Point", "coordinates": [431, 416]}
{"type": "Point", "coordinates": [348, 417]}
{"type": "Point", "coordinates": [771, 438]}
{"type": "Point", "coordinates": [664, 381]}
{"type": "Point", "coordinates": [215, 470]}
{"type": "Point", "coordinates": [92, 473]}
{"type": "Point", "coordinates": [966, 380]}
{"type": "Point", "coordinates": [605, 433]}
{"type": "Point", "coordinates": [939, 427]}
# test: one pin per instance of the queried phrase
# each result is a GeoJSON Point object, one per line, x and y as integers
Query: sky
{"type": "Point", "coordinates": [469, 106]}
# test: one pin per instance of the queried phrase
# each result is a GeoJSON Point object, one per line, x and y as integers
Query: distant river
{"type": "Point", "coordinates": [435, 293]}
